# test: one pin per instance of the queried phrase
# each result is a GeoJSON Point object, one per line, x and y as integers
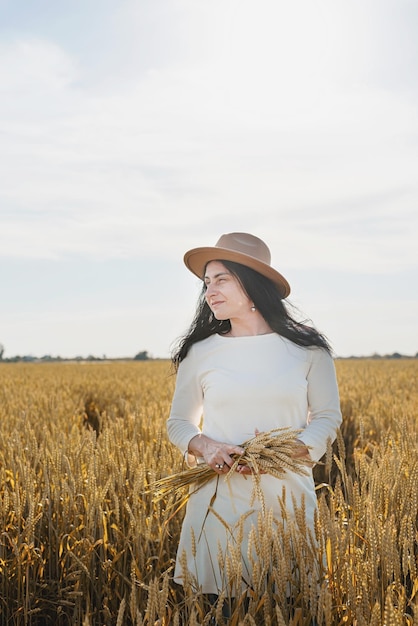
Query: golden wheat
{"type": "Point", "coordinates": [83, 543]}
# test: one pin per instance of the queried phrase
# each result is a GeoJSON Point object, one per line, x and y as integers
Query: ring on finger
{"type": "Point", "coordinates": [219, 465]}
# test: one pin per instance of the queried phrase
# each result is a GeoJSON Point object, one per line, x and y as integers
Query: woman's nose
{"type": "Point", "coordinates": [210, 289]}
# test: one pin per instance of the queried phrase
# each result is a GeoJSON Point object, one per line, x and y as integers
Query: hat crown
{"type": "Point", "coordinates": [245, 243]}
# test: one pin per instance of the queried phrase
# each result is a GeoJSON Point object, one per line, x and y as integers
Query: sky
{"type": "Point", "coordinates": [134, 130]}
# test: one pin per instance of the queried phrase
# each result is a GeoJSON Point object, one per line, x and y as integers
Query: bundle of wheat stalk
{"type": "Point", "coordinates": [273, 452]}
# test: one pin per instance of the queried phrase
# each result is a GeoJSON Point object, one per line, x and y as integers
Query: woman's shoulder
{"type": "Point", "coordinates": [306, 353]}
{"type": "Point", "coordinates": [199, 348]}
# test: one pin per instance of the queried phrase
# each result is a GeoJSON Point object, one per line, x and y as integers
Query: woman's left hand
{"type": "Point", "coordinates": [302, 451]}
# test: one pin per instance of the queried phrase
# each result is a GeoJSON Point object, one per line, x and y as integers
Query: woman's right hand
{"type": "Point", "coordinates": [216, 454]}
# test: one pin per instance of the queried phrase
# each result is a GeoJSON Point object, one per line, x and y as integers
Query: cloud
{"type": "Point", "coordinates": [235, 138]}
{"type": "Point", "coordinates": [32, 66]}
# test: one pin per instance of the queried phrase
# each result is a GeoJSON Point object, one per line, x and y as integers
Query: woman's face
{"type": "Point", "coordinates": [224, 294]}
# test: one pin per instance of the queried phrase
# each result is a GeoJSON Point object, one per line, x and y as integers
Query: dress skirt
{"type": "Point", "coordinates": [220, 531]}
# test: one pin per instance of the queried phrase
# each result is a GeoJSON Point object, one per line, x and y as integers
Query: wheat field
{"type": "Point", "coordinates": [83, 543]}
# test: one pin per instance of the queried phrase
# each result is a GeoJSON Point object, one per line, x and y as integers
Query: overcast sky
{"type": "Point", "coordinates": [133, 130]}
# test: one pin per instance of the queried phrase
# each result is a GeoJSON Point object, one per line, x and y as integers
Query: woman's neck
{"type": "Point", "coordinates": [256, 325]}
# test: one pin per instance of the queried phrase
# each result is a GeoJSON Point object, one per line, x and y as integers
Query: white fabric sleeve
{"type": "Point", "coordinates": [186, 408]}
{"type": "Point", "coordinates": [324, 416]}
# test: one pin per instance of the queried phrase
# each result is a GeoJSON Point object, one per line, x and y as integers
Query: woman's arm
{"type": "Point", "coordinates": [187, 404]}
{"type": "Point", "coordinates": [324, 417]}
{"type": "Point", "coordinates": [183, 424]}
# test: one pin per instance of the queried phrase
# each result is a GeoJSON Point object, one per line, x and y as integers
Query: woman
{"type": "Point", "coordinates": [245, 366]}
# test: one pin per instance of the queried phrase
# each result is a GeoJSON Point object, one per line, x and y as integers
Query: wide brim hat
{"type": "Point", "coordinates": [240, 248]}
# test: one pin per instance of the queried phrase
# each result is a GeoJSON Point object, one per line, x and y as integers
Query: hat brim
{"type": "Point", "coordinates": [197, 259]}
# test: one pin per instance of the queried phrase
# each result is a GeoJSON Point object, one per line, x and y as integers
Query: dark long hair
{"type": "Point", "coordinates": [267, 300]}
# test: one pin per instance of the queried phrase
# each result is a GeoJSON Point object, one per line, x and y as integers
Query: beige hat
{"type": "Point", "coordinates": [241, 248]}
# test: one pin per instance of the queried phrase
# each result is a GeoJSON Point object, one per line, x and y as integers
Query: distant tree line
{"type": "Point", "coordinates": [394, 355]}
{"type": "Point", "coordinates": [144, 355]}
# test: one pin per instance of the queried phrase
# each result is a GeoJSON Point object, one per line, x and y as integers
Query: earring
{"type": "Point", "coordinates": [253, 308]}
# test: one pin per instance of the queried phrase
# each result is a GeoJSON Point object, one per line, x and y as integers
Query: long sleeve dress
{"type": "Point", "coordinates": [227, 387]}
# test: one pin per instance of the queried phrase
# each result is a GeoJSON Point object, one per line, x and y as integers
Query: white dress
{"type": "Point", "coordinates": [239, 384]}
